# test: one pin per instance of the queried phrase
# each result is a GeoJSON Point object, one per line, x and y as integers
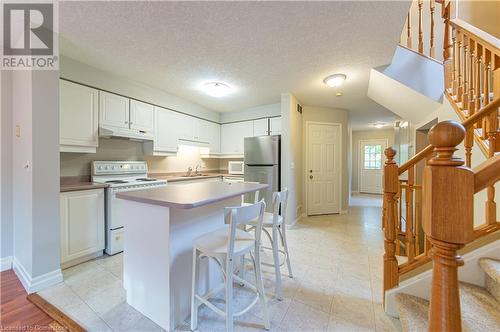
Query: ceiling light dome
{"type": "Point", "coordinates": [335, 80]}
{"type": "Point", "coordinates": [216, 89]}
{"type": "Point", "coordinates": [379, 125]}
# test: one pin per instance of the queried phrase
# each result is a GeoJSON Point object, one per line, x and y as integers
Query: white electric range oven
{"type": "Point", "coordinates": [120, 176]}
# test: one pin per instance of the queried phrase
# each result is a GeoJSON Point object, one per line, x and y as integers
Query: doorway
{"type": "Point", "coordinates": [371, 165]}
{"type": "Point", "coordinates": [323, 167]}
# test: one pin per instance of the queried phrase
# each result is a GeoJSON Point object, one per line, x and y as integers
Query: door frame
{"type": "Point", "coordinates": [305, 187]}
{"type": "Point", "coordinates": [361, 160]}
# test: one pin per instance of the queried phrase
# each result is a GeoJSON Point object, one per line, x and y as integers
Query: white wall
{"type": "Point", "coordinates": [35, 173]}
{"type": "Point", "coordinates": [291, 155]}
{"type": "Point", "coordinates": [357, 136]}
{"type": "Point", "coordinates": [6, 225]}
{"type": "Point", "coordinates": [331, 115]}
{"type": "Point", "coordinates": [252, 113]}
{"type": "Point", "coordinates": [82, 73]}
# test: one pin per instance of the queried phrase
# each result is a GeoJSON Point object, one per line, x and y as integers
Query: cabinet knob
{"type": "Point", "coordinates": [311, 177]}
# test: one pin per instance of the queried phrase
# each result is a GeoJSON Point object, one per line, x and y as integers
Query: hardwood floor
{"type": "Point", "coordinates": [16, 310]}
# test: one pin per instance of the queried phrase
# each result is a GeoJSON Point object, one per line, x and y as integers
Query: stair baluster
{"type": "Point", "coordinates": [432, 50]}
{"type": "Point", "coordinates": [420, 30]}
{"type": "Point", "coordinates": [391, 184]}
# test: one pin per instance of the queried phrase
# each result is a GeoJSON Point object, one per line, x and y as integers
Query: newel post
{"type": "Point", "coordinates": [391, 183]}
{"type": "Point", "coordinates": [448, 190]}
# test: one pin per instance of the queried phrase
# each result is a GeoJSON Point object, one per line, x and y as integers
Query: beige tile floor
{"type": "Point", "coordinates": [337, 284]}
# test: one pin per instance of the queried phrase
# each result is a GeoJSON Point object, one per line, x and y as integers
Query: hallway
{"type": "Point", "coordinates": [337, 284]}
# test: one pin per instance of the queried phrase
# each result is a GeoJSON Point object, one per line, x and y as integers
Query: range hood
{"type": "Point", "coordinates": [131, 134]}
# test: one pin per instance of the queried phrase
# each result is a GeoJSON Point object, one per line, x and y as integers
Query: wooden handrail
{"type": "Point", "coordinates": [485, 38]}
{"type": "Point", "coordinates": [426, 152]}
{"type": "Point", "coordinates": [487, 174]}
{"type": "Point", "coordinates": [482, 113]}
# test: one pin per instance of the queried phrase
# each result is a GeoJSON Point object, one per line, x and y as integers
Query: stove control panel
{"type": "Point", "coordinates": [118, 167]}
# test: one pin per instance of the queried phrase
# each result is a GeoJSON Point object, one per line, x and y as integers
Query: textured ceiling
{"type": "Point", "coordinates": [261, 49]}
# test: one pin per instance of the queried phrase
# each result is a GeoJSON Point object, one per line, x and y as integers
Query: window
{"type": "Point", "coordinates": [373, 156]}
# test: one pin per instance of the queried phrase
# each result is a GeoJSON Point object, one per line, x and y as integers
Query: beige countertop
{"type": "Point", "coordinates": [75, 183]}
{"type": "Point", "coordinates": [179, 176]}
{"type": "Point", "coordinates": [191, 195]}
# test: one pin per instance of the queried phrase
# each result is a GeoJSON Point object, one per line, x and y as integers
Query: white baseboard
{"type": "Point", "coordinates": [5, 263]}
{"type": "Point", "coordinates": [33, 285]}
{"type": "Point", "coordinates": [293, 223]}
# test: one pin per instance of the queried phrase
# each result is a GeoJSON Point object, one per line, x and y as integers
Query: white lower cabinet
{"type": "Point", "coordinates": [82, 223]}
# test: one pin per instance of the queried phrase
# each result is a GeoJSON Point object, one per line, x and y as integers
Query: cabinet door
{"type": "Point", "coordinates": [210, 132]}
{"type": "Point", "coordinates": [167, 130]}
{"type": "Point", "coordinates": [233, 136]}
{"type": "Point", "coordinates": [260, 127]}
{"type": "Point", "coordinates": [113, 110]}
{"type": "Point", "coordinates": [78, 117]}
{"type": "Point", "coordinates": [188, 127]}
{"type": "Point", "coordinates": [275, 126]}
{"type": "Point", "coordinates": [82, 223]}
{"type": "Point", "coordinates": [141, 116]}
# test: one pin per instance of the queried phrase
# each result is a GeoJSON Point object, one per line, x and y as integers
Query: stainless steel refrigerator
{"type": "Point", "coordinates": [263, 165]}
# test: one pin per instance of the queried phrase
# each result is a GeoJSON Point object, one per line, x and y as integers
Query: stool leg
{"type": "Point", "coordinates": [285, 246]}
{"type": "Point", "coordinates": [260, 289]}
{"type": "Point", "coordinates": [229, 294]}
{"type": "Point", "coordinates": [276, 258]}
{"type": "Point", "coordinates": [194, 284]}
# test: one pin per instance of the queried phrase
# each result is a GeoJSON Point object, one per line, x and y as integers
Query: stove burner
{"type": "Point", "coordinates": [116, 181]}
{"type": "Point", "coordinates": [145, 179]}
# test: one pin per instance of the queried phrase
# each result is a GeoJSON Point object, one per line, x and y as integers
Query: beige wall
{"type": "Point", "coordinates": [330, 115]}
{"type": "Point", "coordinates": [482, 14]}
{"type": "Point", "coordinates": [117, 149]}
{"type": "Point", "coordinates": [366, 135]}
{"type": "Point", "coordinates": [291, 154]}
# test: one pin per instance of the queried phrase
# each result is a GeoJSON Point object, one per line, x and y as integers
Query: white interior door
{"type": "Point", "coordinates": [323, 168]}
{"type": "Point", "coordinates": [371, 163]}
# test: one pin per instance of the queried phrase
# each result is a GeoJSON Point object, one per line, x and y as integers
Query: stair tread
{"type": "Point", "coordinates": [491, 267]}
{"type": "Point", "coordinates": [480, 310]}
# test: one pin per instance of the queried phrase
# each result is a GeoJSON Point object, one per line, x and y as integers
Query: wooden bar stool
{"type": "Point", "coordinates": [277, 222]}
{"type": "Point", "coordinates": [225, 246]}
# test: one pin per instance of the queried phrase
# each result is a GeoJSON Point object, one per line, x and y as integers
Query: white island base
{"type": "Point", "coordinates": [157, 260]}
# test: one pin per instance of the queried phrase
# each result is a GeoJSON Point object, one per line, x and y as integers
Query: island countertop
{"type": "Point", "coordinates": [191, 195]}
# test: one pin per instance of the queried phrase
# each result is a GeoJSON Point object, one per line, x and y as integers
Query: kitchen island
{"type": "Point", "coordinates": [160, 225]}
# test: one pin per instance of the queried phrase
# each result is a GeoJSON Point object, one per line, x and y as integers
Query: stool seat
{"type": "Point", "coordinates": [215, 243]}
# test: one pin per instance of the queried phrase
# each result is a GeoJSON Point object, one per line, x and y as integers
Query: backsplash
{"type": "Point", "coordinates": [73, 164]}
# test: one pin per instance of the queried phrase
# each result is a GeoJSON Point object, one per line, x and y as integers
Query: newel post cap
{"type": "Point", "coordinates": [445, 136]}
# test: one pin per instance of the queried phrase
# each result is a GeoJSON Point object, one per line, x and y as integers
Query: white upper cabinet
{"type": "Point", "coordinates": [260, 127]}
{"type": "Point", "coordinates": [210, 132]}
{"type": "Point", "coordinates": [275, 124]}
{"type": "Point", "coordinates": [78, 118]}
{"type": "Point", "coordinates": [141, 116]}
{"type": "Point", "coordinates": [113, 110]}
{"type": "Point", "coordinates": [166, 133]}
{"type": "Point", "coordinates": [233, 136]}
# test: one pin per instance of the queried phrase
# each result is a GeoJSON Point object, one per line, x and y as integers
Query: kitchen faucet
{"type": "Point", "coordinates": [196, 169]}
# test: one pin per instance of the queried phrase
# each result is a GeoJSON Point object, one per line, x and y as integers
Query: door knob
{"type": "Point", "coordinates": [311, 177]}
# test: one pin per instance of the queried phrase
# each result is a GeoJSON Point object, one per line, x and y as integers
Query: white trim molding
{"type": "Point", "coordinates": [33, 285]}
{"type": "Point", "coordinates": [5, 263]}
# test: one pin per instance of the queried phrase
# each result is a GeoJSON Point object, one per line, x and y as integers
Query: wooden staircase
{"type": "Point", "coordinates": [442, 205]}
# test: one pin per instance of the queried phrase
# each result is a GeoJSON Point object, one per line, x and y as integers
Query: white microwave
{"type": "Point", "coordinates": [236, 167]}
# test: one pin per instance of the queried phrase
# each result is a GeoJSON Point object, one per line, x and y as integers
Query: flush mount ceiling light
{"type": "Point", "coordinates": [339, 94]}
{"type": "Point", "coordinates": [216, 89]}
{"type": "Point", "coordinates": [335, 80]}
{"type": "Point", "coordinates": [378, 125]}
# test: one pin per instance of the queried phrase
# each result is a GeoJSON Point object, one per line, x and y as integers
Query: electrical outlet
{"type": "Point", "coordinates": [18, 131]}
